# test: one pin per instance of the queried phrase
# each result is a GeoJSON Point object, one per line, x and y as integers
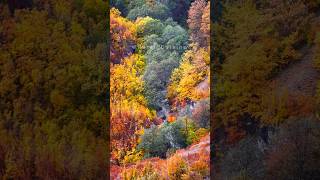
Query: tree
{"type": "Point", "coordinates": [165, 137]}
{"type": "Point", "coordinates": [163, 54]}
{"type": "Point", "coordinates": [198, 22]}
{"type": "Point", "coordinates": [156, 79]}
{"type": "Point", "coordinates": [123, 36]}
{"type": "Point", "coordinates": [122, 5]}
{"type": "Point", "coordinates": [155, 10]}
{"type": "Point", "coordinates": [52, 117]}
{"type": "Point", "coordinates": [193, 69]}
{"type": "Point", "coordinates": [148, 26]}
{"type": "Point", "coordinates": [129, 112]}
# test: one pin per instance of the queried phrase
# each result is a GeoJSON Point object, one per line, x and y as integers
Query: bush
{"type": "Point", "coordinates": [132, 156]}
{"type": "Point", "coordinates": [165, 137]}
{"type": "Point", "coordinates": [177, 168]}
{"type": "Point", "coordinates": [199, 134]}
{"type": "Point", "coordinates": [202, 166]}
{"type": "Point", "coordinates": [193, 135]}
{"type": "Point", "coordinates": [152, 138]}
{"type": "Point", "coordinates": [146, 172]}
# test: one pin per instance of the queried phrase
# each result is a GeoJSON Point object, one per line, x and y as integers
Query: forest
{"type": "Point", "coordinates": [53, 60]}
{"type": "Point", "coordinates": [160, 89]}
{"type": "Point", "coordinates": [265, 67]}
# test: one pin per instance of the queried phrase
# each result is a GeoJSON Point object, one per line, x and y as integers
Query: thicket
{"type": "Point", "coordinates": [52, 90]}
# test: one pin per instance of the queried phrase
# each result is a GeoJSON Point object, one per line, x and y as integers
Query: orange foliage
{"type": "Point", "coordinates": [171, 118]}
{"type": "Point", "coordinates": [202, 165]}
{"type": "Point", "coordinates": [123, 33]}
{"type": "Point", "coordinates": [190, 163]}
{"type": "Point", "coordinates": [177, 167]}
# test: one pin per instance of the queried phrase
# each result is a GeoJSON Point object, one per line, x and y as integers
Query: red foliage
{"type": "Point", "coordinates": [199, 22]}
{"type": "Point", "coordinates": [197, 157]}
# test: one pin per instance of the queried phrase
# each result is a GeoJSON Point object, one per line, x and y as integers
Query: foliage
{"type": "Point", "coordinates": [166, 137]}
{"type": "Point", "coordinates": [47, 151]}
{"type": "Point", "coordinates": [192, 71]}
{"type": "Point", "coordinates": [156, 78]}
{"type": "Point", "coordinates": [146, 173]}
{"type": "Point", "coordinates": [155, 10]}
{"type": "Point", "coordinates": [177, 167]}
{"type": "Point", "coordinates": [129, 113]}
{"type": "Point", "coordinates": [201, 166]}
{"type": "Point", "coordinates": [52, 86]}
{"type": "Point", "coordinates": [147, 26]}
{"type": "Point", "coordinates": [255, 45]}
{"type": "Point", "coordinates": [162, 52]}
{"type": "Point", "coordinates": [150, 43]}
{"type": "Point", "coordinates": [122, 5]}
{"type": "Point", "coordinates": [151, 138]}
{"type": "Point", "coordinates": [199, 22]}
{"type": "Point", "coordinates": [123, 36]}
{"type": "Point", "coordinates": [132, 156]}
{"type": "Point", "coordinates": [177, 9]}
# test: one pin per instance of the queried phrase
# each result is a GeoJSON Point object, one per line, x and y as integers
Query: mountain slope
{"type": "Point", "coordinates": [192, 155]}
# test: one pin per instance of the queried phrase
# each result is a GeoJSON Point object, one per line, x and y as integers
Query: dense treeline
{"type": "Point", "coordinates": [52, 89]}
{"type": "Point", "coordinates": [257, 113]}
{"type": "Point", "coordinates": [160, 59]}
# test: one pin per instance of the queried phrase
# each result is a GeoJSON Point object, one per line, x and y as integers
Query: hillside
{"type": "Point", "coordinates": [266, 116]}
{"type": "Point", "coordinates": [193, 155]}
{"type": "Point", "coordinates": [159, 88]}
{"type": "Point", "coordinates": [299, 77]}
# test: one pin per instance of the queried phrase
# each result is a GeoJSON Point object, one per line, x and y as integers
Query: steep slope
{"type": "Point", "coordinates": [193, 154]}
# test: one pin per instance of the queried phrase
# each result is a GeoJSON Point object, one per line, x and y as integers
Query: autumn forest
{"type": "Point", "coordinates": [265, 115]}
{"type": "Point", "coordinates": [160, 89]}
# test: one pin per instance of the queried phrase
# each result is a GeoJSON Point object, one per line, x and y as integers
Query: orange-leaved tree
{"type": "Point", "coordinates": [129, 112]}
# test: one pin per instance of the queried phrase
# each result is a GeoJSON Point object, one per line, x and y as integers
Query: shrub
{"type": "Point", "coordinates": [164, 137]}
{"type": "Point", "coordinates": [132, 156]}
{"type": "Point", "coordinates": [146, 172]}
{"type": "Point", "coordinates": [199, 134]}
{"type": "Point", "coordinates": [152, 138]}
{"type": "Point", "coordinates": [201, 167]}
{"type": "Point", "coordinates": [177, 167]}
